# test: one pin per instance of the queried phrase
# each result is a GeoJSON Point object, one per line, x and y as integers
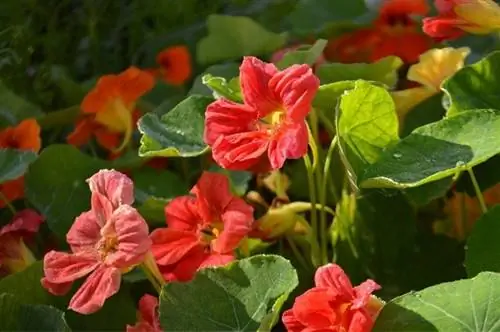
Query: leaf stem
{"type": "Point", "coordinates": [479, 194]}
{"type": "Point", "coordinates": [302, 261]}
{"type": "Point", "coordinates": [314, 216]}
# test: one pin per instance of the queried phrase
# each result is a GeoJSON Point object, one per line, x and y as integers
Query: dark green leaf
{"type": "Point", "coordinates": [437, 150]}
{"type": "Point", "coordinates": [153, 210]}
{"type": "Point", "coordinates": [178, 133]}
{"type": "Point", "coordinates": [428, 111]}
{"type": "Point", "coordinates": [13, 108]}
{"type": "Point", "coordinates": [14, 163]}
{"type": "Point", "coordinates": [428, 192]}
{"type": "Point", "coordinates": [308, 56]}
{"type": "Point", "coordinates": [150, 183]}
{"type": "Point", "coordinates": [237, 297]}
{"type": "Point", "coordinates": [239, 179]}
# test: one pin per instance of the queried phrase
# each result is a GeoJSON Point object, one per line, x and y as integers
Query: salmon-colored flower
{"type": "Point", "coordinates": [334, 304]}
{"type": "Point", "coordinates": [148, 320]}
{"type": "Point", "coordinates": [270, 126]}
{"type": "Point", "coordinates": [175, 65]}
{"type": "Point", "coordinates": [457, 17]}
{"type": "Point", "coordinates": [109, 110]}
{"type": "Point", "coordinates": [106, 241]}
{"type": "Point", "coordinates": [394, 32]}
{"type": "Point", "coordinates": [203, 230]}
{"type": "Point", "coordinates": [14, 254]}
{"type": "Point", "coordinates": [24, 136]}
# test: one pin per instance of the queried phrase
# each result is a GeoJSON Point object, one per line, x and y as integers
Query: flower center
{"type": "Point", "coordinates": [116, 116]}
{"type": "Point", "coordinates": [272, 121]}
{"type": "Point", "coordinates": [210, 233]}
{"type": "Point", "coordinates": [107, 246]}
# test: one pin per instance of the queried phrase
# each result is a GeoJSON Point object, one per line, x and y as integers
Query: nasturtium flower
{"type": "Point", "coordinates": [334, 304]}
{"type": "Point", "coordinates": [106, 241]}
{"type": "Point", "coordinates": [15, 256]}
{"type": "Point", "coordinates": [148, 319]}
{"type": "Point", "coordinates": [174, 65]}
{"type": "Point", "coordinates": [203, 229]}
{"type": "Point", "coordinates": [394, 32]}
{"type": "Point", "coordinates": [24, 136]}
{"type": "Point", "coordinates": [434, 67]}
{"type": "Point", "coordinates": [270, 126]}
{"type": "Point", "coordinates": [456, 17]}
{"type": "Point", "coordinates": [109, 110]}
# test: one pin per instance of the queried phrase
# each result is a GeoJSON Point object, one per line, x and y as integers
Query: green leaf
{"type": "Point", "coordinates": [225, 70]}
{"type": "Point", "coordinates": [327, 96]}
{"type": "Point", "coordinates": [15, 316]}
{"type": "Point", "coordinates": [14, 163]}
{"type": "Point", "coordinates": [56, 185]}
{"type": "Point", "coordinates": [150, 183]}
{"type": "Point", "coordinates": [231, 37]}
{"type": "Point", "coordinates": [428, 111]}
{"type": "Point", "coordinates": [178, 133]}
{"type": "Point", "coordinates": [239, 179]}
{"type": "Point", "coordinates": [483, 250]}
{"type": "Point", "coordinates": [463, 305]}
{"type": "Point", "coordinates": [428, 192]}
{"type": "Point", "coordinates": [223, 89]}
{"type": "Point", "coordinates": [14, 109]}
{"type": "Point", "coordinates": [313, 15]}
{"type": "Point", "coordinates": [308, 56]}
{"type": "Point", "coordinates": [367, 124]}
{"type": "Point", "coordinates": [437, 150]}
{"type": "Point", "coordinates": [237, 297]}
{"type": "Point", "coordinates": [384, 70]}
{"type": "Point", "coordinates": [475, 86]}
{"type": "Point", "coordinates": [153, 210]}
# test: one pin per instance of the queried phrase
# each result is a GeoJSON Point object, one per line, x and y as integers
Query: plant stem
{"type": "Point", "coordinates": [314, 217]}
{"type": "Point", "coordinates": [479, 194]}
{"type": "Point", "coordinates": [151, 278]}
{"type": "Point", "coordinates": [7, 203]}
{"type": "Point", "coordinates": [297, 253]}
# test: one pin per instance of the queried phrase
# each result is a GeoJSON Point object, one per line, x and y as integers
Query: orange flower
{"type": "Point", "coordinates": [175, 65]}
{"type": "Point", "coordinates": [394, 32]}
{"type": "Point", "coordinates": [25, 136]}
{"type": "Point", "coordinates": [109, 109]}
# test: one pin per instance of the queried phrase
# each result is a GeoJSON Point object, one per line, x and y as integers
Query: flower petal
{"type": "Point", "coordinates": [315, 309]}
{"type": "Point", "coordinates": [292, 324]}
{"type": "Point", "coordinates": [238, 220]}
{"type": "Point", "coordinates": [99, 286]}
{"type": "Point", "coordinates": [84, 234]}
{"type": "Point", "coordinates": [171, 245]}
{"type": "Point", "coordinates": [60, 267]}
{"type": "Point", "coordinates": [132, 235]}
{"type": "Point", "coordinates": [185, 268]}
{"type": "Point", "coordinates": [212, 195]}
{"type": "Point", "coordinates": [241, 151]}
{"type": "Point", "coordinates": [254, 80]}
{"type": "Point", "coordinates": [26, 220]}
{"type": "Point", "coordinates": [290, 143]}
{"type": "Point", "coordinates": [182, 214]}
{"type": "Point", "coordinates": [224, 117]}
{"type": "Point", "coordinates": [333, 277]}
{"type": "Point", "coordinates": [363, 293]}
{"type": "Point", "coordinates": [216, 260]}
{"type": "Point", "coordinates": [115, 186]}
{"type": "Point", "coordinates": [58, 289]}
{"type": "Point", "coordinates": [176, 64]}
{"type": "Point", "coordinates": [296, 87]}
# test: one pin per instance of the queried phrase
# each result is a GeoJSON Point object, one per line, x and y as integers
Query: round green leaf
{"type": "Point", "coordinates": [483, 249]}
{"type": "Point", "coordinates": [241, 296]}
{"type": "Point", "coordinates": [56, 185]}
{"type": "Point", "coordinates": [154, 183]}
{"type": "Point", "coordinates": [463, 305]}
{"type": "Point", "coordinates": [14, 163]}
{"type": "Point", "coordinates": [178, 133]}
{"type": "Point", "coordinates": [437, 150]}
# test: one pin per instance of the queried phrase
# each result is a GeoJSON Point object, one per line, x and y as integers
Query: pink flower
{"type": "Point", "coordinates": [14, 255]}
{"type": "Point", "coordinates": [334, 305]}
{"type": "Point", "coordinates": [148, 316]}
{"type": "Point", "coordinates": [202, 230]}
{"type": "Point", "coordinates": [106, 241]}
{"type": "Point", "coordinates": [270, 126]}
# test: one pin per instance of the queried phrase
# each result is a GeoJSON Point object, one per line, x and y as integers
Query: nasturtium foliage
{"type": "Point", "coordinates": [463, 305]}
{"type": "Point", "coordinates": [239, 180]}
{"type": "Point", "coordinates": [222, 88]}
{"type": "Point", "coordinates": [177, 133]}
{"type": "Point", "coordinates": [475, 86]}
{"type": "Point", "coordinates": [14, 109]}
{"type": "Point", "coordinates": [150, 183]}
{"type": "Point", "coordinates": [231, 37]}
{"type": "Point", "coordinates": [56, 185]}
{"type": "Point", "coordinates": [483, 250]}
{"type": "Point", "coordinates": [227, 70]}
{"type": "Point", "coordinates": [437, 150]}
{"type": "Point", "coordinates": [14, 163]}
{"type": "Point", "coordinates": [244, 295]}
{"type": "Point", "coordinates": [327, 96]}
{"type": "Point", "coordinates": [303, 56]}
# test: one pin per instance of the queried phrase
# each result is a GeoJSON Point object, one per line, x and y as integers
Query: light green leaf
{"type": "Point", "coordinates": [367, 124]}
{"type": "Point", "coordinates": [384, 71]}
{"type": "Point", "coordinates": [225, 70]}
{"type": "Point", "coordinates": [437, 150]}
{"type": "Point", "coordinates": [222, 88]}
{"type": "Point", "coordinates": [483, 250]}
{"type": "Point", "coordinates": [178, 133]}
{"type": "Point", "coordinates": [463, 305]}
{"type": "Point", "coordinates": [14, 163]}
{"type": "Point", "coordinates": [56, 185]}
{"type": "Point", "coordinates": [475, 86]}
{"type": "Point", "coordinates": [231, 37]}
{"type": "Point", "coordinates": [328, 94]}
{"type": "Point", "coordinates": [303, 56]}
{"type": "Point", "coordinates": [237, 297]}
{"type": "Point", "coordinates": [14, 109]}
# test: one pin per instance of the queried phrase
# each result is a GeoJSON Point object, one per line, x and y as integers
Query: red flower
{"type": "Point", "coordinates": [14, 255]}
{"type": "Point", "coordinates": [106, 241]}
{"type": "Point", "coordinates": [334, 305]}
{"type": "Point", "coordinates": [394, 32]}
{"type": "Point", "coordinates": [270, 126]}
{"type": "Point", "coordinates": [202, 230]}
{"type": "Point", "coordinates": [148, 316]}
{"type": "Point", "coordinates": [459, 16]}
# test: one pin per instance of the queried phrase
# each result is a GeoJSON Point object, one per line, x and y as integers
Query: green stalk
{"type": "Point", "coordinates": [479, 194]}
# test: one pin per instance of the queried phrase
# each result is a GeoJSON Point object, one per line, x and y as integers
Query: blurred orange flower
{"type": "Point", "coordinates": [394, 32]}
{"type": "Point", "coordinates": [175, 65]}
{"type": "Point", "coordinates": [24, 136]}
{"type": "Point", "coordinates": [109, 110]}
